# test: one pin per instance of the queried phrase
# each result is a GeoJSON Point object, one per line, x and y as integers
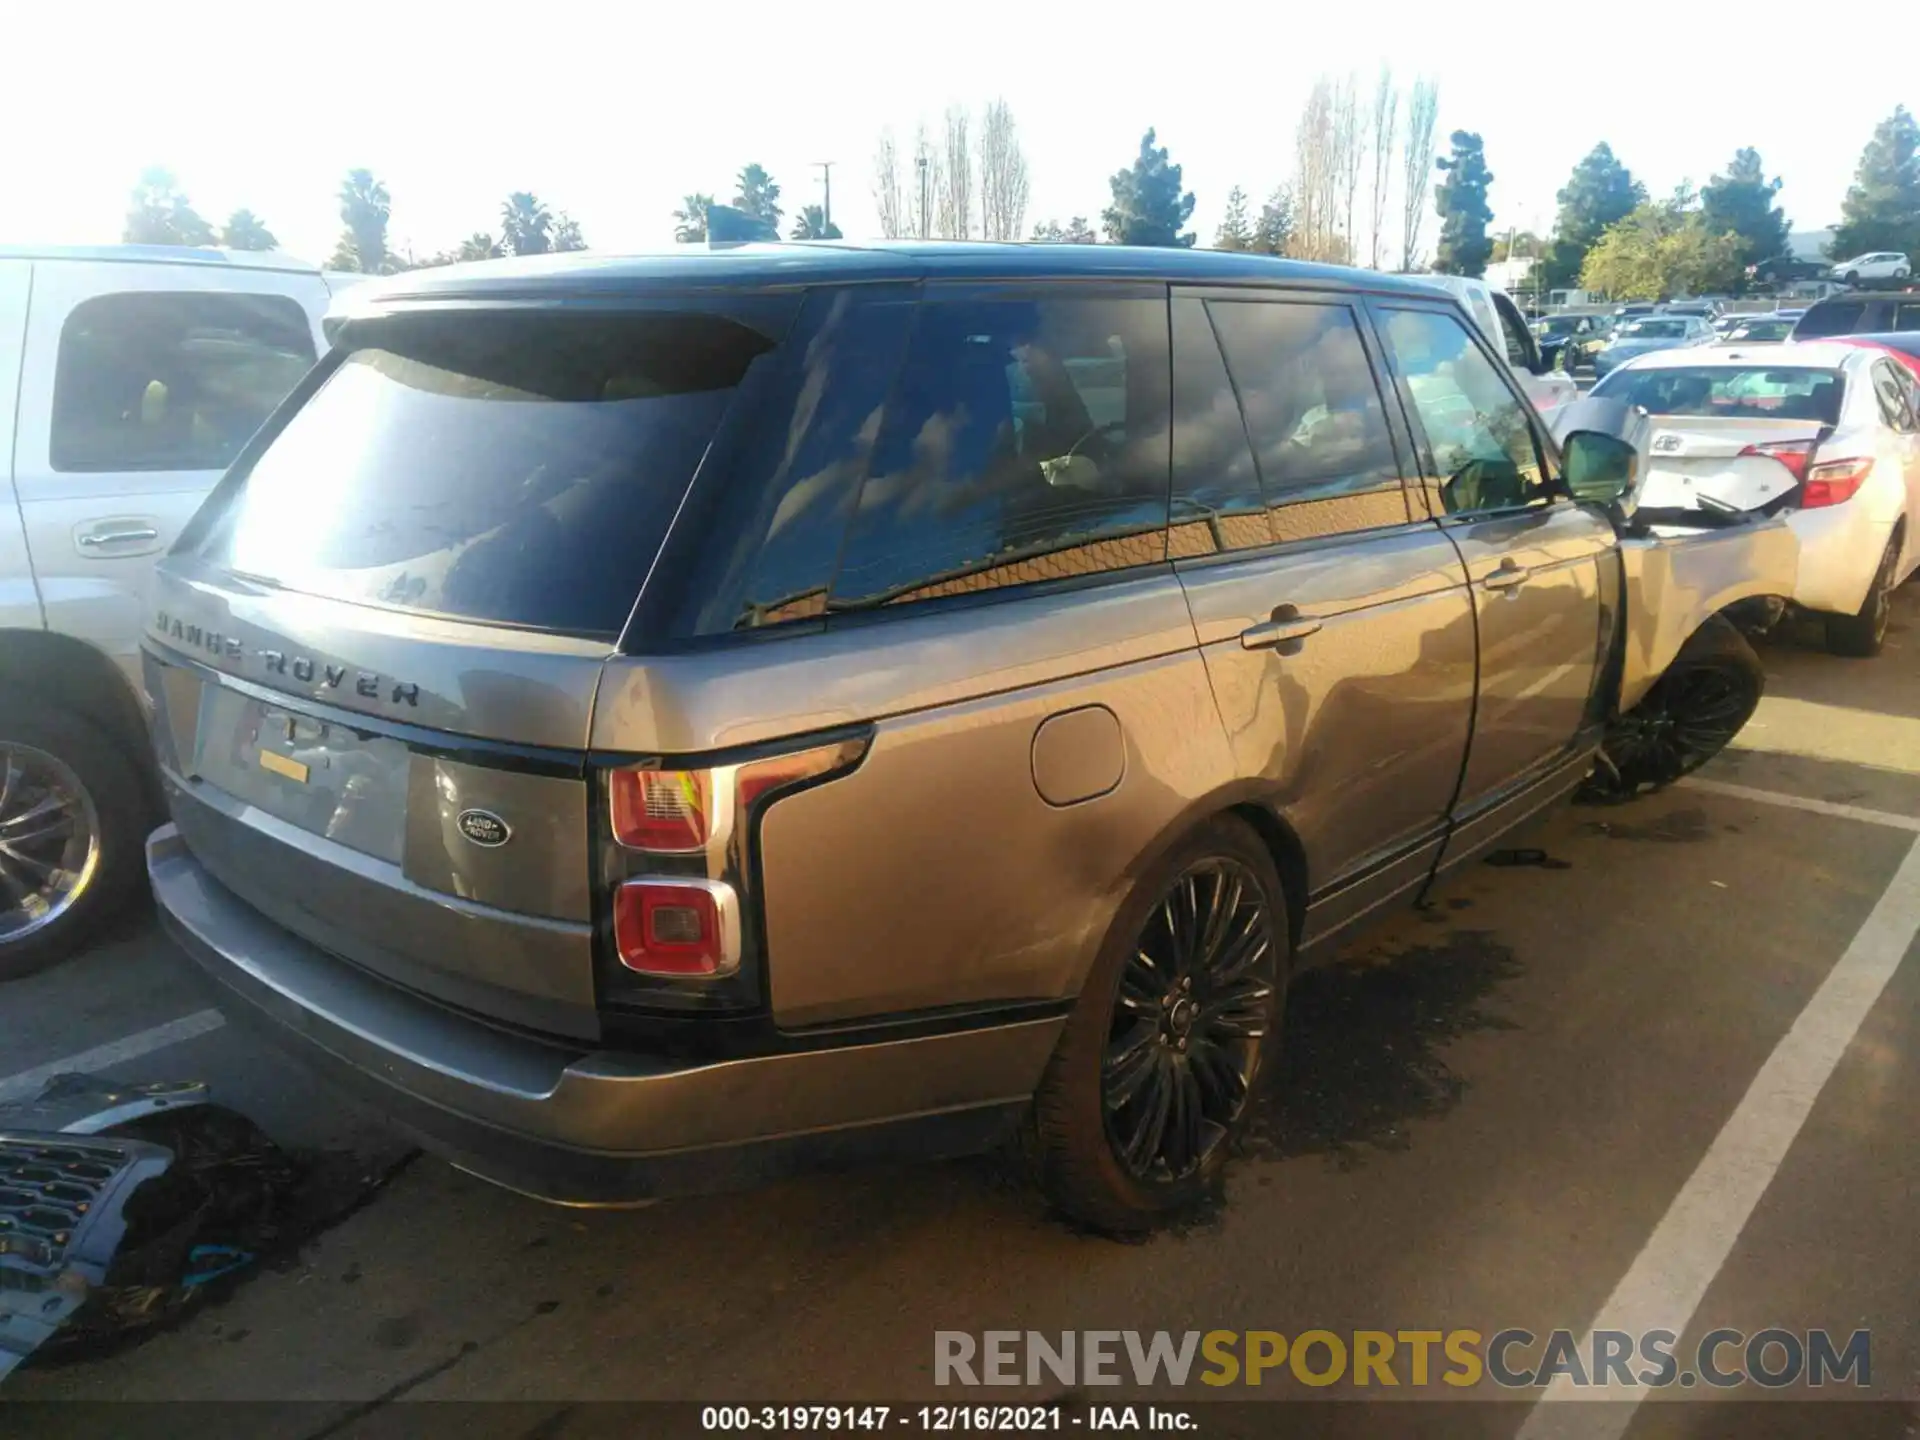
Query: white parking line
{"type": "Point", "coordinates": [1686, 1250]}
{"type": "Point", "coordinates": [1803, 802]}
{"type": "Point", "coordinates": [115, 1052]}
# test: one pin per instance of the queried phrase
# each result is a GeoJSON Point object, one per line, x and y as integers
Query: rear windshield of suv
{"type": "Point", "coordinates": [1759, 392]}
{"type": "Point", "coordinates": [1840, 318]}
{"type": "Point", "coordinates": [511, 469]}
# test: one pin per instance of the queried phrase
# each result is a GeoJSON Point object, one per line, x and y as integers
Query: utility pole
{"type": "Point", "coordinates": [926, 200]}
{"type": "Point", "coordinates": [825, 167]}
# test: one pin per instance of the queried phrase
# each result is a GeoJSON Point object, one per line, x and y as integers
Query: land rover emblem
{"type": "Point", "coordinates": [484, 828]}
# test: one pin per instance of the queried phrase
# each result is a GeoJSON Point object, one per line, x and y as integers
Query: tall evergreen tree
{"type": "Point", "coordinates": [365, 208]}
{"type": "Point", "coordinates": [1273, 234]}
{"type": "Point", "coordinates": [1461, 200]}
{"type": "Point", "coordinates": [1740, 203]}
{"type": "Point", "coordinates": [1149, 207]}
{"type": "Point", "coordinates": [1882, 210]}
{"type": "Point", "coordinates": [245, 230]}
{"type": "Point", "coordinates": [526, 225]}
{"type": "Point", "coordinates": [1601, 192]}
{"type": "Point", "coordinates": [160, 214]}
{"type": "Point", "coordinates": [758, 195]}
{"type": "Point", "coordinates": [1235, 232]}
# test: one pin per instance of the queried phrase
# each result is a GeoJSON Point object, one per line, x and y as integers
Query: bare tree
{"type": "Point", "coordinates": [927, 181]}
{"type": "Point", "coordinates": [1315, 183]}
{"type": "Point", "coordinates": [956, 187]}
{"type": "Point", "coordinates": [1003, 175]}
{"type": "Point", "coordinates": [1386, 124]}
{"type": "Point", "coordinates": [887, 196]}
{"type": "Point", "coordinates": [1349, 148]}
{"type": "Point", "coordinates": [1423, 111]}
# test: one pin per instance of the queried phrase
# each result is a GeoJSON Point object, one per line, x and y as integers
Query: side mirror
{"type": "Point", "coordinates": [1604, 448]}
{"type": "Point", "coordinates": [1600, 468]}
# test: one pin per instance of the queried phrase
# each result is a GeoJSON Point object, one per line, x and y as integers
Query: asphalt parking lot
{"type": "Point", "coordinates": [1665, 1076]}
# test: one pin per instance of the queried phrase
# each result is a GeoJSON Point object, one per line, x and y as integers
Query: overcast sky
{"type": "Point", "coordinates": [613, 112]}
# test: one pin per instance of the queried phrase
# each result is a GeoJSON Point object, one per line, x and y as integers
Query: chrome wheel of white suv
{"type": "Point", "coordinates": [49, 840]}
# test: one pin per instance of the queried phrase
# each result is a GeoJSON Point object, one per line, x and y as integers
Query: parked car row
{"type": "Point", "coordinates": [656, 723]}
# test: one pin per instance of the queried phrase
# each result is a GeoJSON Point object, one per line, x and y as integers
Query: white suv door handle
{"type": "Point", "coordinates": [95, 538]}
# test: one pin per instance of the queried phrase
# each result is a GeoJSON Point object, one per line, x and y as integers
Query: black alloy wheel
{"type": "Point", "coordinates": [1191, 1014]}
{"type": "Point", "coordinates": [1689, 716]}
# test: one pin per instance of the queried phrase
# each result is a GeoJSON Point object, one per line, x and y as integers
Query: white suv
{"type": "Point", "coordinates": [1881, 265]}
{"type": "Point", "coordinates": [130, 375]}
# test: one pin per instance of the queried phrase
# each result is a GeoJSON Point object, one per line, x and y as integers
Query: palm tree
{"type": "Point", "coordinates": [480, 246]}
{"type": "Point", "coordinates": [246, 231]}
{"type": "Point", "coordinates": [759, 196]}
{"type": "Point", "coordinates": [364, 208]}
{"type": "Point", "coordinates": [526, 226]}
{"type": "Point", "coordinates": [812, 224]}
{"type": "Point", "coordinates": [691, 228]}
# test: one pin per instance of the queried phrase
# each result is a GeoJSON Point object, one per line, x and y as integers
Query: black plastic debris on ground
{"type": "Point", "coordinates": [212, 1197]}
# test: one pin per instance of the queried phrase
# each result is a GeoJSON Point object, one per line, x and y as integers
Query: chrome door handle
{"type": "Point", "coordinates": [1267, 634]}
{"type": "Point", "coordinates": [1509, 576]}
{"type": "Point", "coordinates": [113, 537]}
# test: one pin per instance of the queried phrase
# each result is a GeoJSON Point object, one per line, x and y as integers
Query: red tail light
{"type": "Point", "coordinates": [663, 811]}
{"type": "Point", "coordinates": [678, 869]}
{"type": "Point", "coordinates": [1796, 455]}
{"type": "Point", "coordinates": [677, 927]}
{"type": "Point", "coordinates": [1833, 482]}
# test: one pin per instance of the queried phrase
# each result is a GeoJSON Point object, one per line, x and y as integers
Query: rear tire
{"type": "Point", "coordinates": [1154, 1079]}
{"type": "Point", "coordinates": [71, 831]}
{"type": "Point", "coordinates": [1706, 695]}
{"type": "Point", "coordinates": [1863, 634]}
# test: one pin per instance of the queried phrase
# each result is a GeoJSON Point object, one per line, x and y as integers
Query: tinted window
{"type": "Point", "coordinates": [1478, 432]}
{"type": "Point", "coordinates": [762, 551]}
{"type": "Point", "coordinates": [1906, 316]}
{"type": "Point", "coordinates": [1840, 318]}
{"type": "Point", "coordinates": [1217, 503]}
{"type": "Point", "coordinates": [1027, 440]}
{"type": "Point", "coordinates": [1513, 332]}
{"type": "Point", "coordinates": [1756, 392]}
{"type": "Point", "coordinates": [517, 469]}
{"type": "Point", "coordinates": [1658, 330]}
{"type": "Point", "coordinates": [172, 381]}
{"type": "Point", "coordinates": [1313, 411]}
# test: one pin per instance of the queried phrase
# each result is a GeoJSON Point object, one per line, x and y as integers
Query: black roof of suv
{"type": "Point", "coordinates": [1860, 313]}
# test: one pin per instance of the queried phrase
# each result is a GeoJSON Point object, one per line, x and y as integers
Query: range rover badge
{"type": "Point", "coordinates": [484, 828]}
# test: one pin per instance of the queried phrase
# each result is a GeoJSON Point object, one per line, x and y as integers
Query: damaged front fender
{"type": "Point", "coordinates": [1677, 578]}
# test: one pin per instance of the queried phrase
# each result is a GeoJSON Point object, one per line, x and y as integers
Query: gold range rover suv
{"type": "Point", "coordinates": [656, 723]}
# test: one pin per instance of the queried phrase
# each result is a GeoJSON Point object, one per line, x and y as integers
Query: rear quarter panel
{"type": "Point", "coordinates": [936, 874]}
{"type": "Point", "coordinates": [1675, 582]}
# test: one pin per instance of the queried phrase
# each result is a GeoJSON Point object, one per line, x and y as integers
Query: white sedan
{"type": "Point", "coordinates": [1827, 433]}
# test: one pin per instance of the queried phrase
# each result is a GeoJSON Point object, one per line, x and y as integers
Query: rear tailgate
{"type": "Point", "coordinates": [374, 659]}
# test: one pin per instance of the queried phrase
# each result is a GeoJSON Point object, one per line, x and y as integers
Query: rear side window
{"type": "Point", "coordinates": [512, 469]}
{"type": "Point", "coordinates": [172, 380]}
{"type": "Point", "coordinates": [1314, 413]}
{"type": "Point", "coordinates": [1217, 504]}
{"type": "Point", "coordinates": [1026, 440]}
{"type": "Point", "coordinates": [1842, 317]}
{"type": "Point", "coordinates": [1906, 316]}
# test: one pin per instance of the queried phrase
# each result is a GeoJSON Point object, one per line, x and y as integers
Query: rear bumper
{"type": "Point", "coordinates": [593, 1127]}
{"type": "Point", "coordinates": [1840, 548]}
